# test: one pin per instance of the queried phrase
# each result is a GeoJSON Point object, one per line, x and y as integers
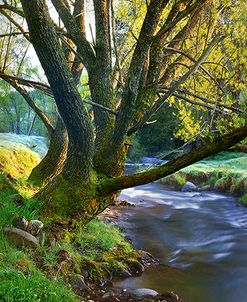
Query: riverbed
{"type": "Point", "coordinates": [200, 239]}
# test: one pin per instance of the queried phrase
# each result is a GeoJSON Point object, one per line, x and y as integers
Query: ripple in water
{"type": "Point", "coordinates": [200, 239]}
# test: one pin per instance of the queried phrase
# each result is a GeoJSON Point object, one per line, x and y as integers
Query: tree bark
{"type": "Point", "coordinates": [78, 165]}
{"type": "Point", "coordinates": [53, 163]}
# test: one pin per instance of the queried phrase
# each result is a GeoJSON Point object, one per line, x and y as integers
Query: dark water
{"type": "Point", "coordinates": [199, 238]}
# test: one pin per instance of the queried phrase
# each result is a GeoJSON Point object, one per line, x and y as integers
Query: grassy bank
{"type": "Point", "coordinates": [47, 273]}
{"type": "Point", "coordinates": [97, 252]}
{"type": "Point", "coordinates": [226, 172]}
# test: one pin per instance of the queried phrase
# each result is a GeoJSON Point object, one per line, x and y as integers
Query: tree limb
{"type": "Point", "coordinates": [185, 91]}
{"type": "Point", "coordinates": [130, 92]}
{"type": "Point", "coordinates": [12, 20]}
{"type": "Point", "coordinates": [201, 67]}
{"type": "Point", "coordinates": [14, 9]}
{"type": "Point", "coordinates": [174, 87]}
{"type": "Point", "coordinates": [31, 103]}
{"type": "Point", "coordinates": [78, 37]}
{"type": "Point", "coordinates": [221, 143]}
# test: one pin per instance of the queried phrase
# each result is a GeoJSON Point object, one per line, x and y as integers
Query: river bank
{"type": "Point", "coordinates": [225, 172]}
{"type": "Point", "coordinates": [100, 253]}
{"type": "Point", "coordinates": [77, 267]}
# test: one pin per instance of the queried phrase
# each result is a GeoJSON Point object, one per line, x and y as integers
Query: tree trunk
{"type": "Point", "coordinates": [52, 164]}
{"type": "Point", "coordinates": [32, 125]}
{"type": "Point", "coordinates": [78, 165]}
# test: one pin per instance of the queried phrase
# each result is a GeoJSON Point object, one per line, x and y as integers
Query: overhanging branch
{"type": "Point", "coordinates": [221, 143]}
{"type": "Point", "coordinates": [47, 90]}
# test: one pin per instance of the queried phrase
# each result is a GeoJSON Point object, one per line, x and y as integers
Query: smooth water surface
{"type": "Point", "coordinates": [199, 238]}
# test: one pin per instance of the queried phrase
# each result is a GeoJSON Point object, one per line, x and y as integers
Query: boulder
{"type": "Point", "coordinates": [141, 293]}
{"type": "Point", "coordinates": [20, 237]}
{"type": "Point", "coordinates": [189, 187]}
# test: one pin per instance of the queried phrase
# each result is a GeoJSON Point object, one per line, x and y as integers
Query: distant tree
{"type": "Point", "coordinates": [132, 71]}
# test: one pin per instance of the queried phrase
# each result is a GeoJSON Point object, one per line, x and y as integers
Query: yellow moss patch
{"type": "Point", "coordinates": [16, 159]}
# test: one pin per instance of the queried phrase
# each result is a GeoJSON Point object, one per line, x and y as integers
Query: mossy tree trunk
{"type": "Point", "coordinates": [52, 164]}
{"type": "Point", "coordinates": [92, 171]}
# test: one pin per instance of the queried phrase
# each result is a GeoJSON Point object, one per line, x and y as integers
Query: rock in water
{"type": "Point", "coordinates": [20, 237]}
{"type": "Point", "coordinates": [189, 187]}
{"type": "Point", "coordinates": [141, 293]}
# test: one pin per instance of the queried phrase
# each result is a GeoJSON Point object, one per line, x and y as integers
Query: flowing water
{"type": "Point", "coordinates": [199, 238]}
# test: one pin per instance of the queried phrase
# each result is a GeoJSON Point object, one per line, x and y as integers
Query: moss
{"type": "Point", "coordinates": [16, 160]}
{"type": "Point", "coordinates": [244, 199]}
{"type": "Point", "coordinates": [175, 180]}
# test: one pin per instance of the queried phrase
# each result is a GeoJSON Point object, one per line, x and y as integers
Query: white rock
{"type": "Point", "coordinates": [141, 293]}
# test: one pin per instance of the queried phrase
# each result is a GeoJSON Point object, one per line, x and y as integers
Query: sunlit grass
{"type": "Point", "coordinates": [226, 171]}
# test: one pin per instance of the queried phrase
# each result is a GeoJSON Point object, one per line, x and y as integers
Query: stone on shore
{"type": "Point", "coordinates": [20, 237]}
{"type": "Point", "coordinates": [141, 293]}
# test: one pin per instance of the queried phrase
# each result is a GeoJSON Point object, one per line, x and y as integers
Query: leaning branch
{"type": "Point", "coordinates": [78, 37]}
{"type": "Point", "coordinates": [46, 89]}
{"type": "Point", "coordinates": [194, 61]}
{"type": "Point", "coordinates": [205, 100]}
{"type": "Point", "coordinates": [14, 9]}
{"type": "Point", "coordinates": [186, 99]}
{"type": "Point", "coordinates": [31, 103]}
{"type": "Point", "coordinates": [16, 24]}
{"type": "Point", "coordinates": [221, 143]}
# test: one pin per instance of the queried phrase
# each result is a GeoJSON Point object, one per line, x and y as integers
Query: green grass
{"type": "Point", "coordinates": [98, 235]}
{"type": "Point", "coordinates": [100, 249]}
{"type": "Point", "coordinates": [21, 281]}
{"type": "Point", "coordinates": [226, 171]}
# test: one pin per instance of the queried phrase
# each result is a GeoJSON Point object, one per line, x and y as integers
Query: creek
{"type": "Point", "coordinates": [200, 239]}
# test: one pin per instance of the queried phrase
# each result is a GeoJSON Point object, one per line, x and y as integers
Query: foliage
{"type": "Point", "coordinates": [17, 117]}
{"type": "Point", "coordinates": [137, 149]}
